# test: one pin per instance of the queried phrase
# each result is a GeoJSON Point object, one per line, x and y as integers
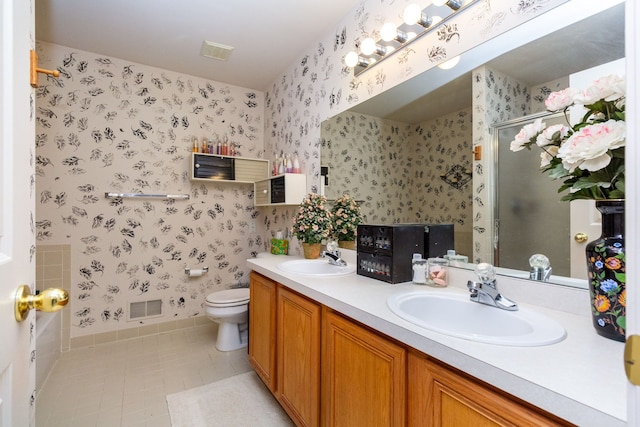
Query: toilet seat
{"type": "Point", "coordinates": [228, 298]}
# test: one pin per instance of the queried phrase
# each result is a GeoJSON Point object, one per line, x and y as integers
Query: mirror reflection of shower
{"type": "Point", "coordinates": [525, 196]}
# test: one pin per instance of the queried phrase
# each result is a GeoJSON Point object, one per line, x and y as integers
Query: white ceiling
{"type": "Point", "coordinates": [268, 35]}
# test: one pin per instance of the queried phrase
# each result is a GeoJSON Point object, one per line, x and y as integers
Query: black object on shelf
{"type": "Point", "coordinates": [213, 167]}
{"type": "Point", "coordinates": [385, 252]}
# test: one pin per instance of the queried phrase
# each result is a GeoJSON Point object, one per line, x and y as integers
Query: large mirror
{"type": "Point", "coordinates": [406, 154]}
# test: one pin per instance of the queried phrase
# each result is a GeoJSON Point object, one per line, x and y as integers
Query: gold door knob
{"type": "Point", "coordinates": [49, 300]}
{"type": "Point", "coordinates": [580, 237]}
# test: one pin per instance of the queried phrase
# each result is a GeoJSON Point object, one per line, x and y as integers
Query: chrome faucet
{"type": "Point", "coordinates": [485, 290]}
{"type": "Point", "coordinates": [540, 268]}
{"type": "Point", "coordinates": [333, 254]}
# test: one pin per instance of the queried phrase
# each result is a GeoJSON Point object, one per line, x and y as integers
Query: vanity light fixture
{"type": "Point", "coordinates": [453, 4]}
{"type": "Point", "coordinates": [417, 22]}
{"type": "Point", "coordinates": [447, 65]}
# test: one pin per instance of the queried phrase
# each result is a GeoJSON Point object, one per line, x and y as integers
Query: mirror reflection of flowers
{"type": "Point", "coordinates": [312, 222]}
{"type": "Point", "coordinates": [346, 217]}
{"type": "Point", "coordinates": [588, 156]}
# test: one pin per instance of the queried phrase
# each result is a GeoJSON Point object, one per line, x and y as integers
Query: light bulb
{"type": "Point", "coordinates": [368, 46]}
{"type": "Point", "coordinates": [351, 59]}
{"type": "Point", "coordinates": [435, 19]}
{"type": "Point", "coordinates": [389, 31]}
{"type": "Point", "coordinates": [412, 14]}
{"type": "Point", "coordinates": [447, 65]}
{"type": "Point", "coordinates": [453, 4]}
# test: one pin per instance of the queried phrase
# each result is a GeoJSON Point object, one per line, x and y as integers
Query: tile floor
{"type": "Point", "coordinates": [125, 383]}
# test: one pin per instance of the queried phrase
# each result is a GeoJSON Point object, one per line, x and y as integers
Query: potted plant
{"type": "Point", "coordinates": [312, 224]}
{"type": "Point", "coordinates": [346, 217]}
{"type": "Point", "coordinates": [589, 158]}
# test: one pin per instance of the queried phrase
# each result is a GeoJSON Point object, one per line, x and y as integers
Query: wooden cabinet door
{"type": "Point", "coordinates": [298, 366]}
{"type": "Point", "coordinates": [363, 376]}
{"type": "Point", "coordinates": [262, 328]}
{"type": "Point", "coordinates": [439, 396]}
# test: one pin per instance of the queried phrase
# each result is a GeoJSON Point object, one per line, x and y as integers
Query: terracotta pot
{"type": "Point", "coordinates": [347, 244]}
{"type": "Point", "coordinates": [311, 250]}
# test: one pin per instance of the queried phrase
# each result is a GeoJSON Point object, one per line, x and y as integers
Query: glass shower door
{"type": "Point", "coordinates": [529, 216]}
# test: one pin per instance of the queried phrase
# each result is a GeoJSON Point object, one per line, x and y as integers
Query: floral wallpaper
{"type": "Point", "coordinates": [108, 125]}
{"type": "Point", "coordinates": [111, 125]}
{"type": "Point", "coordinates": [319, 86]}
{"type": "Point", "coordinates": [396, 169]}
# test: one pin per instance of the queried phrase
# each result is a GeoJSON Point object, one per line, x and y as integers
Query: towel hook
{"type": "Point", "coordinates": [33, 77]}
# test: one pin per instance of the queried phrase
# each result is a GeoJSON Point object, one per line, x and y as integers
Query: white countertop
{"type": "Point", "coordinates": [580, 379]}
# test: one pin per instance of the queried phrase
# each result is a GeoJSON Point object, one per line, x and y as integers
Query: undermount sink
{"type": "Point", "coordinates": [456, 315]}
{"type": "Point", "coordinates": [315, 267]}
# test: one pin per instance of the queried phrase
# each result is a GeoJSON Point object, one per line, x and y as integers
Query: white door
{"type": "Point", "coordinates": [17, 216]}
{"type": "Point", "coordinates": [632, 211]}
{"type": "Point", "coordinates": [585, 218]}
{"type": "Point", "coordinates": [585, 221]}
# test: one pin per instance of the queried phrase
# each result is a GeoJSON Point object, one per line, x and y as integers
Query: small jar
{"type": "Point", "coordinates": [437, 272]}
{"type": "Point", "coordinates": [419, 267]}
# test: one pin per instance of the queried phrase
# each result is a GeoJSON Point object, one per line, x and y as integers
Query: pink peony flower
{"type": "Point", "coordinates": [588, 148]}
{"type": "Point", "coordinates": [560, 100]}
{"type": "Point", "coordinates": [608, 88]}
{"type": "Point", "coordinates": [546, 137]}
{"type": "Point", "coordinates": [526, 133]}
{"type": "Point", "coordinates": [549, 152]}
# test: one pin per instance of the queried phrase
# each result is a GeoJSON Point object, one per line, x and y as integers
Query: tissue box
{"type": "Point", "coordinates": [279, 246]}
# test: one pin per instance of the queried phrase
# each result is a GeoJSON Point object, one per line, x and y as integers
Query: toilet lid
{"type": "Point", "coordinates": [229, 296]}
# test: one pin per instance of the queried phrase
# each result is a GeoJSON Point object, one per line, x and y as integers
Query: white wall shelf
{"type": "Point", "coordinates": [286, 189]}
{"type": "Point", "coordinates": [218, 168]}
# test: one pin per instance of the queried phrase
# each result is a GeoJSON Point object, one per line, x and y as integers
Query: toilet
{"type": "Point", "coordinates": [229, 308]}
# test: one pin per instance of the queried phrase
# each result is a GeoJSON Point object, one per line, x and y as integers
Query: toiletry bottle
{"type": "Point", "coordinates": [437, 272]}
{"type": "Point", "coordinates": [296, 165]}
{"type": "Point", "coordinates": [210, 146]}
{"type": "Point", "coordinates": [232, 149]}
{"type": "Point", "coordinates": [281, 165]}
{"type": "Point", "coordinates": [225, 148]}
{"type": "Point", "coordinates": [195, 145]}
{"type": "Point", "coordinates": [289, 167]}
{"type": "Point", "coordinates": [219, 148]}
{"type": "Point", "coordinates": [204, 146]}
{"type": "Point", "coordinates": [419, 266]}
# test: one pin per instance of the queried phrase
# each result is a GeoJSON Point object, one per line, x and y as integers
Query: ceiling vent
{"type": "Point", "coordinates": [215, 50]}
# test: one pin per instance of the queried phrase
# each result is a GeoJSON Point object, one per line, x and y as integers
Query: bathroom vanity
{"type": "Point", "coordinates": [333, 353]}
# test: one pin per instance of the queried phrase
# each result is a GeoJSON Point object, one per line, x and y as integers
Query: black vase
{"type": "Point", "coordinates": [606, 268]}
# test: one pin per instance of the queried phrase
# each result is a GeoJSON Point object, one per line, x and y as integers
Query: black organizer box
{"type": "Point", "coordinates": [213, 167]}
{"type": "Point", "coordinates": [385, 251]}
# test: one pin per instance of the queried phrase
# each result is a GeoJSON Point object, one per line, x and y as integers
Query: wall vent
{"type": "Point", "coordinates": [145, 309]}
{"type": "Point", "coordinates": [217, 51]}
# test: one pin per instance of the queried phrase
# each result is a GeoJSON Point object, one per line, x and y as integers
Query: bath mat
{"type": "Point", "coordinates": [241, 400]}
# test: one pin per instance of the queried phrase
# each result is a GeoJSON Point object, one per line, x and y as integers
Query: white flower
{"type": "Point", "coordinates": [526, 133]}
{"type": "Point", "coordinates": [547, 154]}
{"type": "Point", "coordinates": [546, 137]}
{"type": "Point", "coordinates": [560, 100]}
{"type": "Point", "coordinates": [608, 88]}
{"type": "Point", "coordinates": [588, 148]}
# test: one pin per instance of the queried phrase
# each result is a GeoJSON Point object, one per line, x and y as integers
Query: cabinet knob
{"type": "Point", "coordinates": [197, 165]}
{"type": "Point", "coordinates": [264, 191]}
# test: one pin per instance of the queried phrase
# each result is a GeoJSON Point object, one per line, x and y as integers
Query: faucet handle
{"type": "Point", "coordinates": [485, 272]}
{"type": "Point", "coordinates": [332, 247]}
